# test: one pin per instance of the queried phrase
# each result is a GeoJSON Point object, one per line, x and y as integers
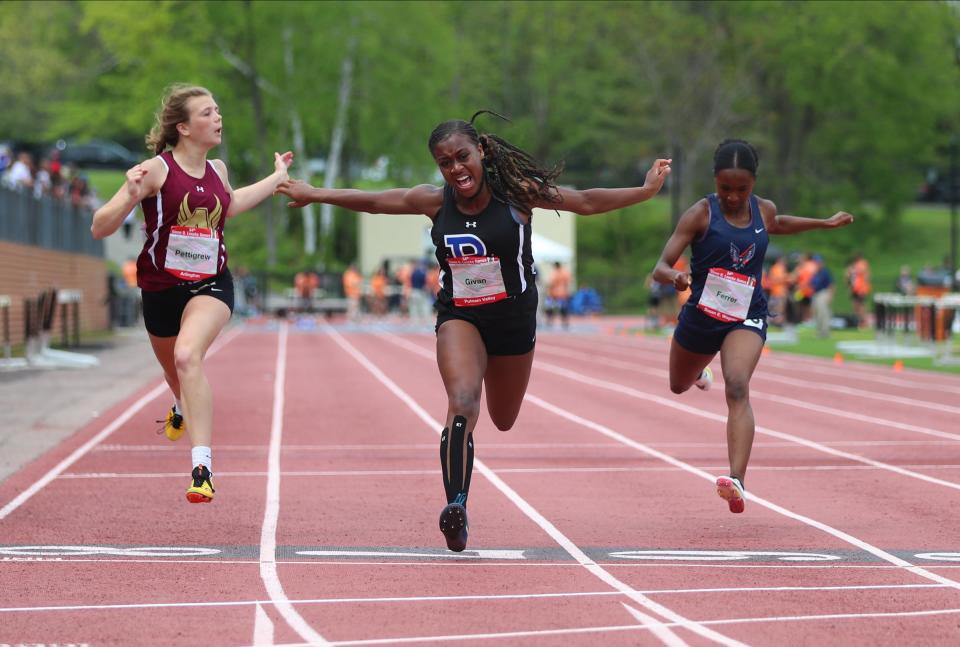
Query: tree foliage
{"type": "Point", "coordinates": [847, 102]}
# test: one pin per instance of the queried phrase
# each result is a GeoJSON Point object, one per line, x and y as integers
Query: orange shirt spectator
{"type": "Point", "coordinates": [775, 282]}
{"type": "Point", "coordinates": [860, 277]}
{"type": "Point", "coordinates": [129, 271]}
{"type": "Point", "coordinates": [352, 283]}
{"type": "Point", "coordinates": [804, 273]}
{"type": "Point", "coordinates": [559, 288]}
{"type": "Point", "coordinates": [305, 283]}
{"type": "Point", "coordinates": [378, 292]}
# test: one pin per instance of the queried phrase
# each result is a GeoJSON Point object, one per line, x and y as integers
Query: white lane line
{"type": "Point", "coordinates": [504, 470]}
{"type": "Point", "coordinates": [614, 628]}
{"type": "Point", "coordinates": [271, 513]}
{"type": "Point", "coordinates": [81, 451]}
{"type": "Point", "coordinates": [262, 627]}
{"type": "Point", "coordinates": [926, 381]}
{"type": "Point", "coordinates": [762, 395]}
{"type": "Point", "coordinates": [609, 433]}
{"type": "Point", "coordinates": [310, 563]}
{"type": "Point", "coordinates": [839, 534]}
{"type": "Point", "coordinates": [418, 447]}
{"type": "Point", "coordinates": [467, 598]}
{"type": "Point", "coordinates": [859, 417]}
{"type": "Point", "coordinates": [642, 395]}
{"type": "Point", "coordinates": [572, 549]}
{"type": "Point", "coordinates": [413, 447]}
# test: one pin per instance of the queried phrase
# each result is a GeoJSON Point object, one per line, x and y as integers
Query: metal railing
{"type": "Point", "coordinates": [46, 222]}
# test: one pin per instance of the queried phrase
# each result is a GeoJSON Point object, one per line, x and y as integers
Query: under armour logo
{"type": "Point", "coordinates": [471, 224]}
{"type": "Point", "coordinates": [199, 189]}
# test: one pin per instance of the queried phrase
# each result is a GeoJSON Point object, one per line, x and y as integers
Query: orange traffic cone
{"type": "Point", "coordinates": [898, 365]}
{"type": "Point", "coordinates": [838, 358]}
{"type": "Point", "coordinates": [765, 351]}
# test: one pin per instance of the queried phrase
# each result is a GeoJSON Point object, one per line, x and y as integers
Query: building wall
{"type": "Point", "coordinates": [26, 271]}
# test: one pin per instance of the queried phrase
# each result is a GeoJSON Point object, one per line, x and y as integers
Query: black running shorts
{"type": "Point", "coordinates": [163, 309]}
{"type": "Point", "coordinates": [507, 327]}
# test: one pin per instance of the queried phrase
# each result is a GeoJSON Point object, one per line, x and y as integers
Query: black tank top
{"type": "Point", "coordinates": [497, 231]}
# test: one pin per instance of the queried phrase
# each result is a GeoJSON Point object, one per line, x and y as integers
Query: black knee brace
{"type": "Point", "coordinates": [456, 459]}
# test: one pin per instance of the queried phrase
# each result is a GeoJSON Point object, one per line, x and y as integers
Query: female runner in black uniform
{"type": "Point", "coordinates": [486, 322]}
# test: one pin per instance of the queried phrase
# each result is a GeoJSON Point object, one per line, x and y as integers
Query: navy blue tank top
{"type": "Point", "coordinates": [731, 248]}
{"type": "Point", "coordinates": [497, 231]}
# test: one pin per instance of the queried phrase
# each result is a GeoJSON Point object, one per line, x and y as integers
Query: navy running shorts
{"type": "Point", "coordinates": [507, 327]}
{"type": "Point", "coordinates": [163, 309]}
{"type": "Point", "coordinates": [700, 333]}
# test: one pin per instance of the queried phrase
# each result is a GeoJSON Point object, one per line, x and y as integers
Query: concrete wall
{"type": "Point", "coordinates": [25, 271]}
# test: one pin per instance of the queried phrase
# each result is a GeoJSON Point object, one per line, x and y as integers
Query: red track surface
{"type": "Point", "coordinates": [593, 520]}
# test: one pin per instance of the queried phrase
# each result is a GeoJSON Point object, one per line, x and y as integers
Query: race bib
{"type": "Point", "coordinates": [192, 253]}
{"type": "Point", "coordinates": [726, 295]}
{"type": "Point", "coordinates": [476, 280]}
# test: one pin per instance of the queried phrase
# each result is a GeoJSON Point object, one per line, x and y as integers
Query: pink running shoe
{"type": "Point", "coordinates": [731, 489]}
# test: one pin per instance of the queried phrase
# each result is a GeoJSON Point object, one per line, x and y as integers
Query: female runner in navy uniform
{"type": "Point", "coordinates": [182, 271]}
{"type": "Point", "coordinates": [727, 232]}
{"type": "Point", "coordinates": [486, 322]}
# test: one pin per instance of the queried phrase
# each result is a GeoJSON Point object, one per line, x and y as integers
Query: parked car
{"type": "Point", "coordinates": [96, 153]}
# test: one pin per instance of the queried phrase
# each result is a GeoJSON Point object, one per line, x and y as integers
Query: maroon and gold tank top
{"type": "Point", "coordinates": [184, 228]}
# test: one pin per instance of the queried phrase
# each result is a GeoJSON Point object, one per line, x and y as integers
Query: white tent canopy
{"type": "Point", "coordinates": [546, 250]}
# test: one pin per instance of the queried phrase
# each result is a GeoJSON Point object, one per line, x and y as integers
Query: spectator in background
{"type": "Point", "coordinates": [129, 272]}
{"type": "Point", "coordinates": [402, 277]}
{"type": "Point", "coordinates": [20, 175]}
{"type": "Point", "coordinates": [803, 292]}
{"type": "Point", "coordinates": [5, 157]}
{"type": "Point", "coordinates": [305, 284]}
{"type": "Point", "coordinates": [378, 291]}
{"type": "Point", "coordinates": [776, 284]}
{"type": "Point", "coordinates": [858, 280]}
{"type": "Point", "coordinates": [79, 191]}
{"type": "Point", "coordinates": [352, 291]}
{"type": "Point", "coordinates": [821, 284]}
{"type": "Point", "coordinates": [42, 180]}
{"type": "Point", "coordinates": [419, 301]}
{"type": "Point", "coordinates": [934, 277]}
{"type": "Point", "coordinates": [904, 284]}
{"type": "Point", "coordinates": [558, 295]}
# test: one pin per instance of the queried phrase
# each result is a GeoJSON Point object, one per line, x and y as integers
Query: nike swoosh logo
{"type": "Point", "coordinates": [757, 231]}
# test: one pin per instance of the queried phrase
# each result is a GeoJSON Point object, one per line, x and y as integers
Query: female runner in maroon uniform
{"type": "Point", "coordinates": [182, 271]}
{"type": "Point", "coordinates": [486, 322]}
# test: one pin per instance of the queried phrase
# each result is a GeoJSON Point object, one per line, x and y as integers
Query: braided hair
{"type": "Point", "coordinates": [736, 153]}
{"type": "Point", "coordinates": [513, 175]}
